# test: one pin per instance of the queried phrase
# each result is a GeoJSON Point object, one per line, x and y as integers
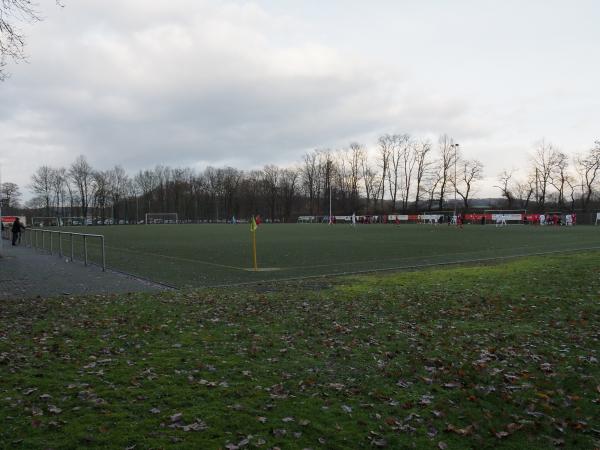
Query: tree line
{"type": "Point", "coordinates": [399, 174]}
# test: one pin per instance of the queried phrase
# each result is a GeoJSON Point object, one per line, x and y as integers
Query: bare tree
{"type": "Point", "coordinates": [118, 181]}
{"type": "Point", "coordinates": [545, 159]}
{"type": "Point", "coordinates": [146, 183]}
{"type": "Point", "coordinates": [59, 184]}
{"type": "Point", "coordinates": [431, 183]}
{"type": "Point", "coordinates": [10, 194]}
{"type": "Point", "coordinates": [409, 159]}
{"type": "Point", "coordinates": [505, 186]}
{"type": "Point", "coordinates": [385, 149]}
{"type": "Point", "coordinates": [41, 184]}
{"type": "Point", "coordinates": [525, 190]}
{"type": "Point", "coordinates": [327, 170]}
{"type": "Point", "coordinates": [81, 174]}
{"type": "Point", "coordinates": [12, 39]}
{"type": "Point", "coordinates": [471, 171]}
{"type": "Point", "coordinates": [231, 182]}
{"type": "Point", "coordinates": [370, 180]}
{"type": "Point", "coordinates": [215, 186]}
{"type": "Point", "coordinates": [402, 160]}
{"type": "Point", "coordinates": [570, 190]}
{"type": "Point", "coordinates": [310, 179]}
{"type": "Point", "coordinates": [558, 176]}
{"type": "Point", "coordinates": [588, 169]}
{"type": "Point", "coordinates": [288, 183]}
{"type": "Point", "coordinates": [271, 175]}
{"type": "Point", "coordinates": [448, 157]}
{"type": "Point", "coordinates": [422, 164]}
{"type": "Point", "coordinates": [100, 193]}
{"type": "Point", "coordinates": [356, 155]}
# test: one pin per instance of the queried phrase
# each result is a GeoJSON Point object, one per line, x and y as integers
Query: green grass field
{"type": "Point", "coordinates": [208, 255]}
{"type": "Point", "coordinates": [496, 356]}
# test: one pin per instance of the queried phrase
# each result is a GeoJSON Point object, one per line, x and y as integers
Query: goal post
{"type": "Point", "coordinates": [435, 216]}
{"type": "Point", "coordinates": [511, 216]}
{"type": "Point", "coordinates": [45, 222]}
{"type": "Point", "coordinates": [72, 221]}
{"type": "Point", "coordinates": [161, 218]}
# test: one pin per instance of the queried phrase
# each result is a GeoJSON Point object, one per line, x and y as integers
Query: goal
{"type": "Point", "coordinates": [511, 216]}
{"type": "Point", "coordinates": [307, 219]}
{"type": "Point", "coordinates": [72, 221]}
{"type": "Point", "coordinates": [161, 218]}
{"type": "Point", "coordinates": [45, 222]}
{"type": "Point", "coordinates": [435, 217]}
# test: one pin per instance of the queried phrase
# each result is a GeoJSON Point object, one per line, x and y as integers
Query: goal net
{"type": "Point", "coordinates": [307, 219]}
{"type": "Point", "coordinates": [161, 218]}
{"type": "Point", "coordinates": [45, 222]}
{"type": "Point", "coordinates": [510, 216]}
{"type": "Point", "coordinates": [72, 221]}
{"type": "Point", "coordinates": [436, 217]}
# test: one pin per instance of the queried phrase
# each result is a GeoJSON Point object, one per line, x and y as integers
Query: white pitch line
{"type": "Point", "coordinates": [436, 255]}
{"type": "Point", "coordinates": [398, 268]}
{"type": "Point", "coordinates": [179, 258]}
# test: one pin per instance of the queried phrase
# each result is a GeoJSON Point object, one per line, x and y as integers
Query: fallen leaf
{"type": "Point", "coordinates": [54, 410]}
{"type": "Point", "coordinates": [379, 443]}
{"type": "Point", "coordinates": [176, 417]}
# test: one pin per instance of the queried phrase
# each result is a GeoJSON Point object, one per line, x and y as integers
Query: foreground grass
{"type": "Point", "coordinates": [502, 356]}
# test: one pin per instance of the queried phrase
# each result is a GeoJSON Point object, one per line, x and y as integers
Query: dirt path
{"type": "Point", "coordinates": [27, 273]}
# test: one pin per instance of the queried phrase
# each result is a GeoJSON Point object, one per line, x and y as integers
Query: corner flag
{"type": "Point", "coordinates": [253, 228]}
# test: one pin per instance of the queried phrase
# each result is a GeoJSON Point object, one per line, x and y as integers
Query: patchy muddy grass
{"type": "Point", "coordinates": [501, 356]}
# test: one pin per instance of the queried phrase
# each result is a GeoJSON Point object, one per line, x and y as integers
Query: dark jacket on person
{"type": "Point", "coordinates": [17, 226]}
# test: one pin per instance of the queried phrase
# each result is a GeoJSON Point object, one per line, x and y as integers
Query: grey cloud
{"type": "Point", "coordinates": [165, 87]}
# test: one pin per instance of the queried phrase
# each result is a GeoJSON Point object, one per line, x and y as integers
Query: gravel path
{"type": "Point", "coordinates": [27, 273]}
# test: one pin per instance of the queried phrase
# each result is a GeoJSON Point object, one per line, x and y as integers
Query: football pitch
{"type": "Point", "coordinates": [211, 255]}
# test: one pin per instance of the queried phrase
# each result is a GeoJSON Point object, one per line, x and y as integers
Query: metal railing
{"type": "Point", "coordinates": [40, 239]}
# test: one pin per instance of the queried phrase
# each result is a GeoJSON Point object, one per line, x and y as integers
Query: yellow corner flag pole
{"type": "Point", "coordinates": [253, 228]}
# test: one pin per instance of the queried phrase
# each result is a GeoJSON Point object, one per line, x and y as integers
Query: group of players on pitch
{"type": "Point", "coordinates": [500, 220]}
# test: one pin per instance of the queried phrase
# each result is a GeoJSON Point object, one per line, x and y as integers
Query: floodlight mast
{"type": "Point", "coordinates": [330, 219]}
{"type": "Point", "coordinates": [455, 147]}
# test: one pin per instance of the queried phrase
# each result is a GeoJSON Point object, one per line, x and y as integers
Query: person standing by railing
{"type": "Point", "coordinates": [17, 228]}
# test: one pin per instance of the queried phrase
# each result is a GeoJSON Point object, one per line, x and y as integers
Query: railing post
{"type": "Point", "coordinates": [85, 253]}
{"type": "Point", "coordinates": [60, 252]}
{"type": "Point", "coordinates": [51, 234]}
{"type": "Point", "coordinates": [103, 255]}
{"type": "Point", "coordinates": [43, 240]}
{"type": "Point", "coordinates": [72, 249]}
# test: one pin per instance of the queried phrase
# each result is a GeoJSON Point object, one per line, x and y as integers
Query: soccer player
{"type": "Point", "coordinates": [17, 228]}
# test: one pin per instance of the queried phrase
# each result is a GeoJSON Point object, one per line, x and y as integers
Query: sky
{"type": "Point", "coordinates": [193, 83]}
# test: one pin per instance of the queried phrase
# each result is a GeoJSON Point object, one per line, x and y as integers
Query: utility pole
{"type": "Point", "coordinates": [455, 149]}
{"type": "Point", "coordinates": [537, 197]}
{"type": "Point", "coordinates": [330, 190]}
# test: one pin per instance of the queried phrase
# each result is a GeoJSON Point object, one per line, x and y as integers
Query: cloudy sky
{"type": "Point", "coordinates": [246, 83]}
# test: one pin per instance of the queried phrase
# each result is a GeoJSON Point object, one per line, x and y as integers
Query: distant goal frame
{"type": "Point", "coordinates": [148, 220]}
{"type": "Point", "coordinates": [510, 216]}
{"type": "Point", "coordinates": [35, 221]}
